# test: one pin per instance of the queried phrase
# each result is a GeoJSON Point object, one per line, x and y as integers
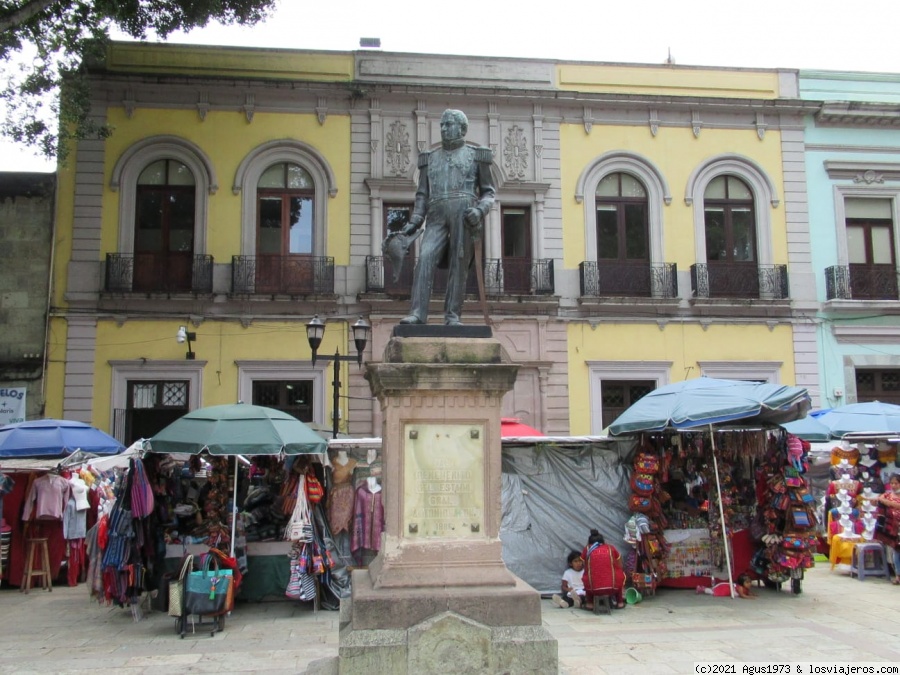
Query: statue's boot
{"type": "Point", "coordinates": [412, 320]}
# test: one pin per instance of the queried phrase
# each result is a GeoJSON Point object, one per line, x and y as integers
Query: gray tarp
{"type": "Point", "coordinates": [553, 493]}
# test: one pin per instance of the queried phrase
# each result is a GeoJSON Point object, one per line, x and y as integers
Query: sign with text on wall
{"type": "Point", "coordinates": [443, 480]}
{"type": "Point", "coordinates": [12, 405]}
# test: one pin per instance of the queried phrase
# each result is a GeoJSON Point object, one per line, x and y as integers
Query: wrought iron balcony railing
{"type": "Point", "coordinates": [282, 274]}
{"type": "Point", "coordinates": [861, 282]}
{"type": "Point", "coordinates": [158, 273]}
{"type": "Point", "coordinates": [509, 276]}
{"type": "Point", "coordinates": [624, 279]}
{"type": "Point", "coordinates": [739, 280]}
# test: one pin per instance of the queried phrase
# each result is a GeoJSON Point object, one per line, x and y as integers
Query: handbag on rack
{"type": "Point", "coordinates": [176, 588]}
{"type": "Point", "coordinates": [299, 527]}
{"type": "Point", "coordinates": [206, 590]}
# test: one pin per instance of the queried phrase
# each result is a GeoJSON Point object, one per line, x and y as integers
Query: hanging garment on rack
{"type": "Point", "coordinates": [368, 519]}
{"type": "Point", "coordinates": [47, 498]}
{"type": "Point", "coordinates": [341, 496]}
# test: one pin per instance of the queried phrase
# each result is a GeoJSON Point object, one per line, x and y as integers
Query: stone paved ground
{"type": "Point", "coordinates": [835, 619]}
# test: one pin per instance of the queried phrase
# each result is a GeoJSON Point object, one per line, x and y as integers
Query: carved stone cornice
{"type": "Point", "coordinates": [858, 113]}
{"type": "Point", "coordinates": [869, 173]}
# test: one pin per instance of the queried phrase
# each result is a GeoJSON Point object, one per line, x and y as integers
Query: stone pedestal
{"type": "Point", "coordinates": [438, 597]}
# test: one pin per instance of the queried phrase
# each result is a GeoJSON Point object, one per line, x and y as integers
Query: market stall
{"type": "Point", "coordinates": [863, 456]}
{"type": "Point", "coordinates": [42, 502]}
{"type": "Point", "coordinates": [694, 472]}
{"type": "Point", "coordinates": [260, 498]}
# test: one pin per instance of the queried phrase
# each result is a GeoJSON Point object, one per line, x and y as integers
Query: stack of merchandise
{"type": "Point", "coordinates": [5, 539]}
{"type": "Point", "coordinates": [649, 556]}
{"type": "Point", "coordinates": [788, 517]}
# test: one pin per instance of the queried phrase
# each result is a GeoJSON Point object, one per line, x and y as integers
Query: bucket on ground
{"type": "Point", "coordinates": [633, 596]}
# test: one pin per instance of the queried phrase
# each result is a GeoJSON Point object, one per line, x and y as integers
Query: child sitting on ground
{"type": "Point", "coordinates": [741, 588]}
{"type": "Point", "coordinates": [572, 583]}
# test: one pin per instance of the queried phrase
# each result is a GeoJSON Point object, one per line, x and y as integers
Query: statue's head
{"type": "Point", "coordinates": [454, 125]}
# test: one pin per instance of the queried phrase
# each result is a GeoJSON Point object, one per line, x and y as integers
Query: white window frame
{"type": "Point", "coordinates": [259, 159]}
{"type": "Point", "coordinates": [138, 157]}
{"type": "Point", "coordinates": [842, 192]}
{"type": "Point", "coordinates": [765, 371]}
{"type": "Point", "coordinates": [124, 372]}
{"type": "Point", "coordinates": [251, 371]}
{"type": "Point", "coordinates": [765, 198]}
{"type": "Point", "coordinates": [657, 195]}
{"type": "Point", "coordinates": [620, 370]}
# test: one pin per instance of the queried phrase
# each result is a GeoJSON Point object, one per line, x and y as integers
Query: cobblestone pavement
{"type": "Point", "coordinates": [835, 619]}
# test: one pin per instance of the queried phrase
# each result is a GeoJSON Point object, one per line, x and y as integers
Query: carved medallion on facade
{"type": "Point", "coordinates": [397, 148]}
{"type": "Point", "coordinates": [515, 153]}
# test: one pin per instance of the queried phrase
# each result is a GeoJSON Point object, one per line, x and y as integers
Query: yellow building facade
{"type": "Point", "coordinates": [242, 192]}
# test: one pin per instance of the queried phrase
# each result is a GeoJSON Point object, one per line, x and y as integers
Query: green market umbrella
{"type": "Point", "coordinates": [238, 429]}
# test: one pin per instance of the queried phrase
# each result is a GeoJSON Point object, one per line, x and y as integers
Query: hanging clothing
{"type": "Point", "coordinates": [368, 519]}
{"type": "Point", "coordinates": [341, 497]}
{"type": "Point", "coordinates": [74, 521]}
{"type": "Point", "coordinates": [6, 486]}
{"type": "Point", "coordinates": [47, 498]}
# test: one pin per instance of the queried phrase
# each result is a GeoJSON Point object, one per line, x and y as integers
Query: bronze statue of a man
{"type": "Point", "coordinates": [455, 192]}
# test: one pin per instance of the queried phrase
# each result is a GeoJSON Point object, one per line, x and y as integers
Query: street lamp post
{"type": "Point", "coordinates": [315, 330]}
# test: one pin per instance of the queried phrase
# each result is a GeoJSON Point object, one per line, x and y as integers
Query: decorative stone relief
{"type": "Point", "coordinates": [129, 103]}
{"type": "Point", "coordinates": [397, 148]}
{"type": "Point", "coordinates": [515, 153]}
{"type": "Point", "coordinates": [249, 107]}
{"type": "Point", "coordinates": [654, 122]}
{"type": "Point", "coordinates": [322, 109]}
{"type": "Point", "coordinates": [696, 124]}
{"type": "Point", "coordinates": [869, 177]}
{"type": "Point", "coordinates": [761, 126]}
{"type": "Point", "coordinates": [203, 105]}
{"type": "Point", "coordinates": [588, 120]}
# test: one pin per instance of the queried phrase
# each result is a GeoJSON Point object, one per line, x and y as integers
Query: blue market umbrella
{"type": "Point", "coordinates": [809, 429]}
{"type": "Point", "coordinates": [855, 420]}
{"type": "Point", "coordinates": [708, 401]}
{"type": "Point", "coordinates": [51, 438]}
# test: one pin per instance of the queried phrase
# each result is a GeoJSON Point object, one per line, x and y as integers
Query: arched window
{"type": "Point", "coordinates": [164, 223]}
{"type": "Point", "coordinates": [304, 174]}
{"type": "Point", "coordinates": [285, 196]}
{"type": "Point", "coordinates": [733, 199]}
{"type": "Point", "coordinates": [623, 235]}
{"type": "Point", "coordinates": [623, 196]}
{"type": "Point", "coordinates": [622, 229]}
{"type": "Point", "coordinates": [730, 221]}
{"type": "Point", "coordinates": [133, 170]}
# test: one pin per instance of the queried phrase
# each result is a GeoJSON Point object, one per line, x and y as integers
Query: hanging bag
{"type": "Point", "coordinates": [314, 489]}
{"type": "Point", "coordinates": [176, 588]}
{"type": "Point", "coordinates": [299, 527]}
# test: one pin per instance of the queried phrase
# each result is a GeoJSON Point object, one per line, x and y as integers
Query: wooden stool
{"type": "Point", "coordinates": [44, 572]}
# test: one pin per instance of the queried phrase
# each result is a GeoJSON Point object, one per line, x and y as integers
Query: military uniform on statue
{"type": "Point", "coordinates": [456, 192]}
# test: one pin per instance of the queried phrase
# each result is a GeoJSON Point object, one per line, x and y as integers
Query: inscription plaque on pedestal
{"type": "Point", "coordinates": [443, 480]}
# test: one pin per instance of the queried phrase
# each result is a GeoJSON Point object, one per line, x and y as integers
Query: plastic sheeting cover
{"type": "Point", "coordinates": [552, 495]}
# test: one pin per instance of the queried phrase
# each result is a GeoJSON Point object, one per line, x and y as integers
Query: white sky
{"type": "Point", "coordinates": [763, 34]}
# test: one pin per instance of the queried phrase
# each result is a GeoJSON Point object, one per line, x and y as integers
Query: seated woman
{"type": "Point", "coordinates": [603, 574]}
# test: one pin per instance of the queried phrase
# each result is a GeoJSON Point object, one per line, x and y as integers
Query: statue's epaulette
{"type": "Point", "coordinates": [423, 159]}
{"type": "Point", "coordinates": [484, 155]}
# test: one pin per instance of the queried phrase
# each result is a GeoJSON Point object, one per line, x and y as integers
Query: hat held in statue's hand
{"type": "Point", "coordinates": [395, 247]}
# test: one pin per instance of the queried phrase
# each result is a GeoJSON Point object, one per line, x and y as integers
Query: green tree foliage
{"type": "Point", "coordinates": [45, 46]}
